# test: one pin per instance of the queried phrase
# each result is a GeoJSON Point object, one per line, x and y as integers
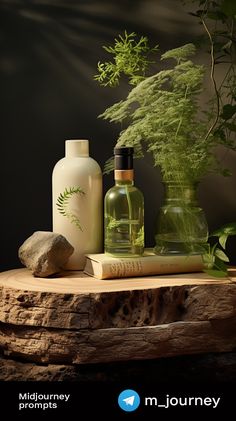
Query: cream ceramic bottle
{"type": "Point", "coordinates": [77, 201]}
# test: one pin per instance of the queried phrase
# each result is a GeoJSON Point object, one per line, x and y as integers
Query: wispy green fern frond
{"type": "Point", "coordinates": [109, 166]}
{"type": "Point", "coordinates": [130, 58]}
{"type": "Point", "coordinates": [139, 241]}
{"type": "Point", "coordinates": [181, 53]}
{"type": "Point", "coordinates": [163, 118]}
{"type": "Point", "coordinates": [162, 113]}
{"type": "Point", "coordinates": [117, 112]}
{"type": "Point", "coordinates": [63, 202]}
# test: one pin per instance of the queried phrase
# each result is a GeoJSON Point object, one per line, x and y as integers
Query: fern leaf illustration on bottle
{"type": "Point", "coordinates": [77, 202]}
{"type": "Point", "coordinates": [63, 202]}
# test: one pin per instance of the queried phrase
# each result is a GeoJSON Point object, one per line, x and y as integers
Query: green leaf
{"type": "Point", "coordinates": [219, 132]}
{"type": "Point", "coordinates": [229, 229]}
{"type": "Point", "coordinates": [221, 255]}
{"type": "Point", "coordinates": [228, 111]}
{"type": "Point", "coordinates": [227, 45]}
{"type": "Point", "coordinates": [231, 127]}
{"type": "Point", "coordinates": [219, 264]}
{"type": "Point", "coordinates": [226, 172]}
{"type": "Point", "coordinates": [208, 260]}
{"type": "Point", "coordinates": [228, 7]}
{"type": "Point", "coordinates": [222, 240]}
{"type": "Point", "coordinates": [198, 13]}
{"type": "Point", "coordinates": [216, 273]}
{"type": "Point", "coordinates": [216, 15]}
{"type": "Point", "coordinates": [224, 232]}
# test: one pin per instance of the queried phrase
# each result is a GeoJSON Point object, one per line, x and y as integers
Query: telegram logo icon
{"type": "Point", "coordinates": [128, 400]}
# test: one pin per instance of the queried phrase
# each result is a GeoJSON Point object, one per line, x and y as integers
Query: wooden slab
{"type": "Point", "coordinates": [76, 319]}
{"type": "Point", "coordinates": [25, 300]}
{"type": "Point", "coordinates": [77, 282]}
{"type": "Point", "coordinates": [106, 345]}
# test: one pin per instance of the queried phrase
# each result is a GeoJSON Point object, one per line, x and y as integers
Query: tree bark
{"type": "Point", "coordinates": [131, 319]}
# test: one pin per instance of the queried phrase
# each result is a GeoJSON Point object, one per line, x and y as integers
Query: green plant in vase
{"type": "Point", "coordinates": [162, 115]}
{"type": "Point", "coordinates": [218, 20]}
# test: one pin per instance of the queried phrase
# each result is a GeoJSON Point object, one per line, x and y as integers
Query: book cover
{"type": "Point", "coordinates": [102, 266]}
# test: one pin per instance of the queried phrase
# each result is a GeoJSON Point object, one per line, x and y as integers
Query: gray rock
{"type": "Point", "coordinates": [45, 253]}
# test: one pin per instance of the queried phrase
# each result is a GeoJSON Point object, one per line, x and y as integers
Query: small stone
{"type": "Point", "coordinates": [45, 253]}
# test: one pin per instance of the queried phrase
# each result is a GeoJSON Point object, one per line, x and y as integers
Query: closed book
{"type": "Point", "coordinates": [102, 266]}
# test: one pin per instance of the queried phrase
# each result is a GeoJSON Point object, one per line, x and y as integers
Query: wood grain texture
{"type": "Point", "coordinates": [77, 282]}
{"type": "Point", "coordinates": [164, 303]}
{"type": "Point", "coordinates": [117, 344]}
{"type": "Point", "coordinates": [94, 321]}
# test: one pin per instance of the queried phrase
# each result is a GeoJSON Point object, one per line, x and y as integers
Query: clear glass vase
{"type": "Point", "coordinates": [181, 225]}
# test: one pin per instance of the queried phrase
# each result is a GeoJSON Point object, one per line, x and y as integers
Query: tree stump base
{"type": "Point", "coordinates": [73, 319]}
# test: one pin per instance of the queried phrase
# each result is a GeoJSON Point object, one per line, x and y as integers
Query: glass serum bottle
{"type": "Point", "coordinates": [124, 210]}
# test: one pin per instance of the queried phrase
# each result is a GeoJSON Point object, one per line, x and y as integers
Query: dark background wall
{"type": "Point", "coordinates": [49, 52]}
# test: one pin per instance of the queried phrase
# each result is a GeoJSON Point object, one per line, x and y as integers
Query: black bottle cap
{"type": "Point", "coordinates": [123, 158]}
{"type": "Point", "coordinates": [123, 150]}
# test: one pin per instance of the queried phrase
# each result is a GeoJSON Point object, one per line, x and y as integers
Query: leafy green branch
{"type": "Point", "coordinates": [213, 79]}
{"type": "Point", "coordinates": [130, 58]}
{"type": "Point", "coordinates": [163, 114]}
{"type": "Point", "coordinates": [159, 107]}
{"type": "Point", "coordinates": [63, 204]}
{"type": "Point", "coordinates": [215, 258]}
{"type": "Point", "coordinates": [218, 18]}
